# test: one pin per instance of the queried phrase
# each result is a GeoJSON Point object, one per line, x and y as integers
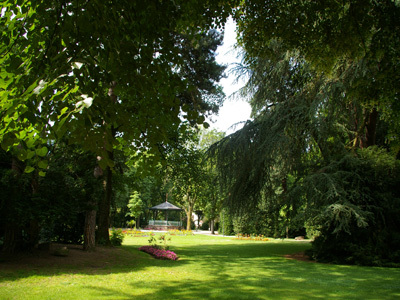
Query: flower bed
{"type": "Point", "coordinates": [251, 237]}
{"type": "Point", "coordinates": [180, 232]}
{"type": "Point", "coordinates": [159, 253]}
{"type": "Point", "coordinates": [137, 233]}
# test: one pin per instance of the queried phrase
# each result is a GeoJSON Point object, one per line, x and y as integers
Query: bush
{"type": "Point", "coordinates": [225, 224]}
{"type": "Point", "coordinates": [117, 237]}
{"type": "Point", "coordinates": [161, 243]}
{"type": "Point", "coordinates": [204, 226]}
{"type": "Point", "coordinates": [360, 225]}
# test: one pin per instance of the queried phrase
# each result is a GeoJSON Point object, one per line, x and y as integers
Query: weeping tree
{"type": "Point", "coordinates": [322, 84]}
{"type": "Point", "coordinates": [314, 149]}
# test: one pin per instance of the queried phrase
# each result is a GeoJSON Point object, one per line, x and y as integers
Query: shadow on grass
{"type": "Point", "coordinates": [254, 285]}
{"type": "Point", "coordinates": [102, 261]}
{"type": "Point", "coordinates": [224, 269]}
{"type": "Point", "coordinates": [259, 271]}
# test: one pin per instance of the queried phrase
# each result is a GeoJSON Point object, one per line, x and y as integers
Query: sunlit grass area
{"type": "Point", "coordinates": [208, 268]}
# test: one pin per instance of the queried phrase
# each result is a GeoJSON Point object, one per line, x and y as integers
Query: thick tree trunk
{"type": "Point", "coordinates": [12, 230]}
{"type": "Point", "coordinates": [89, 243]}
{"type": "Point", "coordinates": [34, 228]}
{"type": "Point", "coordinates": [102, 235]}
{"type": "Point", "coordinates": [33, 232]}
{"type": "Point", "coordinates": [12, 237]}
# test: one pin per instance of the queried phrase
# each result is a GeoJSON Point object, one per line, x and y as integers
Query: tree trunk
{"type": "Point", "coordinates": [137, 224]}
{"type": "Point", "coordinates": [189, 213]}
{"type": "Point", "coordinates": [12, 230]}
{"type": "Point", "coordinates": [89, 243]}
{"type": "Point", "coordinates": [34, 228]}
{"type": "Point", "coordinates": [212, 226]}
{"type": "Point", "coordinates": [284, 201]}
{"type": "Point", "coordinates": [102, 235]}
{"type": "Point", "coordinates": [33, 232]}
{"type": "Point", "coordinates": [12, 237]}
{"type": "Point", "coordinates": [370, 132]}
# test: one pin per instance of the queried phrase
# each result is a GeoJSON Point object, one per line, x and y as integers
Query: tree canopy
{"type": "Point", "coordinates": [323, 86]}
{"type": "Point", "coordinates": [106, 76]}
{"type": "Point", "coordinates": [94, 69]}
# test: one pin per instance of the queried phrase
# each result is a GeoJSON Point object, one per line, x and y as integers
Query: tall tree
{"type": "Point", "coordinates": [355, 43]}
{"type": "Point", "coordinates": [186, 171]}
{"type": "Point", "coordinates": [213, 196]}
{"type": "Point", "coordinates": [320, 100]}
{"type": "Point", "coordinates": [112, 74]}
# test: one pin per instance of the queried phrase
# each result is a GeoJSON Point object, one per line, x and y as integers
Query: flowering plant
{"type": "Point", "coordinates": [159, 253]}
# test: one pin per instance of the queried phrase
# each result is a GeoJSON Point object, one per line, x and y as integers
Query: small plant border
{"type": "Point", "coordinates": [251, 237]}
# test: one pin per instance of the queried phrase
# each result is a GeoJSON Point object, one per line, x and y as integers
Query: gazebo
{"type": "Point", "coordinates": [165, 224]}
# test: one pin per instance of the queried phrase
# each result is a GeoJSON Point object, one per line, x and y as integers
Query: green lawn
{"type": "Point", "coordinates": [209, 268]}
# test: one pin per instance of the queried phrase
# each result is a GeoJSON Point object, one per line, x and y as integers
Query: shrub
{"type": "Point", "coordinates": [204, 226]}
{"type": "Point", "coordinates": [117, 237]}
{"type": "Point", "coordinates": [360, 223]}
{"type": "Point", "coordinates": [160, 242]}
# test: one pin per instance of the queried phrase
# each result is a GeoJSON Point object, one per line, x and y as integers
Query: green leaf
{"type": "Point", "coordinates": [43, 164]}
{"type": "Point", "coordinates": [30, 154]}
{"type": "Point", "coordinates": [29, 169]}
{"type": "Point", "coordinates": [63, 111]}
{"type": "Point", "coordinates": [200, 120]}
{"type": "Point", "coordinates": [42, 174]}
{"type": "Point", "coordinates": [42, 151]}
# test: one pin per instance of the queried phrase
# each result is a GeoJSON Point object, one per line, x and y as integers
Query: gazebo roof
{"type": "Point", "coordinates": [165, 206]}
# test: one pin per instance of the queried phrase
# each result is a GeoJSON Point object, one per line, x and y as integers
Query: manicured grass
{"type": "Point", "coordinates": [208, 268]}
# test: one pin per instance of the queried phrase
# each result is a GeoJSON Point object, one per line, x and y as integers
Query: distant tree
{"type": "Point", "coordinates": [185, 171]}
{"type": "Point", "coordinates": [135, 207]}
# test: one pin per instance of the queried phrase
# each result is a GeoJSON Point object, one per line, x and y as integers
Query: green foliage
{"type": "Point", "coordinates": [358, 222]}
{"type": "Point", "coordinates": [135, 206]}
{"type": "Point", "coordinates": [225, 223]}
{"type": "Point", "coordinates": [106, 76]}
{"type": "Point", "coordinates": [131, 223]}
{"type": "Point", "coordinates": [319, 109]}
{"type": "Point", "coordinates": [355, 43]}
{"type": "Point", "coordinates": [62, 62]}
{"type": "Point", "coordinates": [117, 237]}
{"type": "Point", "coordinates": [159, 242]}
